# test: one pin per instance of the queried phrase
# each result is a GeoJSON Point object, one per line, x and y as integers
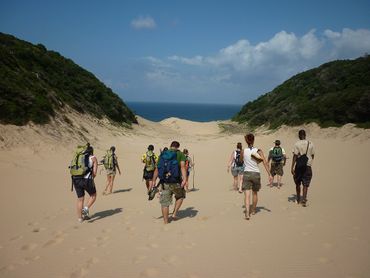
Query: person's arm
{"type": "Point", "coordinates": [293, 163]}
{"type": "Point", "coordinates": [265, 164]}
{"type": "Point", "coordinates": [230, 162]}
{"type": "Point", "coordinates": [95, 166]}
{"type": "Point", "coordinates": [284, 157]}
{"type": "Point", "coordinates": [119, 170]}
{"type": "Point", "coordinates": [183, 173]}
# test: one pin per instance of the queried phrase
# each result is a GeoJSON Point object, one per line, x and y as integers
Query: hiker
{"type": "Point", "coordinates": [303, 155]}
{"type": "Point", "coordinates": [277, 157]}
{"type": "Point", "coordinates": [237, 167]}
{"type": "Point", "coordinates": [252, 177]}
{"type": "Point", "coordinates": [86, 183]}
{"type": "Point", "coordinates": [188, 167]}
{"type": "Point", "coordinates": [172, 174]}
{"type": "Point", "coordinates": [150, 160]}
{"type": "Point", "coordinates": [110, 162]}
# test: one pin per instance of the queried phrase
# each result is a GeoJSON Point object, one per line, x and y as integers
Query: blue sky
{"type": "Point", "coordinates": [193, 51]}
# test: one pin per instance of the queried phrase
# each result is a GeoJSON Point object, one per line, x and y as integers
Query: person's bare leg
{"type": "Point", "coordinates": [165, 211]}
{"type": "Point", "coordinates": [148, 184]}
{"type": "Point", "coordinates": [278, 181]}
{"type": "Point", "coordinates": [254, 200]}
{"type": "Point", "coordinates": [178, 204]}
{"type": "Point", "coordinates": [80, 204]}
{"type": "Point", "coordinates": [235, 183]}
{"type": "Point", "coordinates": [240, 183]}
{"type": "Point", "coordinates": [304, 199]}
{"type": "Point", "coordinates": [247, 196]}
{"type": "Point", "coordinates": [111, 183]}
{"type": "Point", "coordinates": [107, 185]}
{"type": "Point", "coordinates": [91, 200]}
{"type": "Point", "coordinates": [298, 190]}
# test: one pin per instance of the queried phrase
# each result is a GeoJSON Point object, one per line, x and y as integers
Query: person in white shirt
{"type": "Point", "coordinates": [252, 177]}
{"type": "Point", "coordinates": [302, 172]}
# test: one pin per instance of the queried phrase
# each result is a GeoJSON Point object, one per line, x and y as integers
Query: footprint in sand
{"type": "Point", "coordinates": [189, 245]}
{"type": "Point", "coordinates": [327, 245]}
{"type": "Point", "coordinates": [16, 238]}
{"type": "Point", "coordinates": [192, 275]}
{"type": "Point", "coordinates": [78, 250]}
{"type": "Point", "coordinates": [153, 245]}
{"type": "Point", "coordinates": [171, 260]}
{"type": "Point", "coordinates": [53, 242]}
{"type": "Point", "coordinates": [101, 241]}
{"type": "Point", "coordinates": [9, 267]}
{"type": "Point", "coordinates": [83, 270]}
{"type": "Point", "coordinates": [29, 247]}
{"type": "Point", "coordinates": [150, 272]}
{"type": "Point", "coordinates": [58, 238]}
{"type": "Point", "coordinates": [29, 260]}
{"type": "Point", "coordinates": [138, 259]}
{"type": "Point", "coordinates": [204, 218]}
{"type": "Point", "coordinates": [323, 260]}
{"type": "Point", "coordinates": [130, 229]}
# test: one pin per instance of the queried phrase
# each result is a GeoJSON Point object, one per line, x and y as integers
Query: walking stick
{"type": "Point", "coordinates": [193, 171]}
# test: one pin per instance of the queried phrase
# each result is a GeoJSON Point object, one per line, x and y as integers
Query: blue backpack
{"type": "Point", "coordinates": [168, 167]}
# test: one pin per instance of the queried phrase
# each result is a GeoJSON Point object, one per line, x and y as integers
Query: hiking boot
{"type": "Point", "coordinates": [85, 213]}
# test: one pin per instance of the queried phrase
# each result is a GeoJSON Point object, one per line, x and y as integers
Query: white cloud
{"type": "Point", "coordinates": [143, 22]}
{"type": "Point", "coordinates": [349, 43]}
{"type": "Point", "coordinates": [242, 71]}
{"type": "Point", "coordinates": [196, 61]}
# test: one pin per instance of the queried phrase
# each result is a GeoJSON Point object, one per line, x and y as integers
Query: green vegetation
{"type": "Point", "coordinates": [36, 83]}
{"type": "Point", "coordinates": [333, 94]}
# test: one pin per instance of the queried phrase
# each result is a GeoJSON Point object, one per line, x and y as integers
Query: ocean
{"type": "Point", "coordinates": [189, 111]}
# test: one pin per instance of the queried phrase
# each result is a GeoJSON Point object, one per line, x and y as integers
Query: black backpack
{"type": "Point", "coordinates": [238, 159]}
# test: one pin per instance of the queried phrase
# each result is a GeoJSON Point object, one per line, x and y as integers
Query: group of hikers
{"type": "Point", "coordinates": [244, 167]}
{"type": "Point", "coordinates": [172, 168]}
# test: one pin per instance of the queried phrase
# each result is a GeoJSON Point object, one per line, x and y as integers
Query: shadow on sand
{"type": "Point", "coordinates": [292, 198]}
{"type": "Point", "coordinates": [122, 190]}
{"type": "Point", "coordinates": [105, 213]}
{"type": "Point", "coordinates": [188, 212]}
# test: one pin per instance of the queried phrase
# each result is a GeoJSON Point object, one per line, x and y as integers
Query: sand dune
{"type": "Point", "coordinates": [40, 236]}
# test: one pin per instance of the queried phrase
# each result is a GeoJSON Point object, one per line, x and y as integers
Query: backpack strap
{"type": "Point", "coordinates": [307, 147]}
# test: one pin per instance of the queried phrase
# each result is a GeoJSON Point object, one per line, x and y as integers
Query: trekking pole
{"type": "Point", "coordinates": [193, 171]}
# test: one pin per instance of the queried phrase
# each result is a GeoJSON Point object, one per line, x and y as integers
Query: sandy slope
{"type": "Point", "coordinates": [40, 236]}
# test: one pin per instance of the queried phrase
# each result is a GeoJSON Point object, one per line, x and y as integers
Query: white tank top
{"type": "Point", "coordinates": [250, 165]}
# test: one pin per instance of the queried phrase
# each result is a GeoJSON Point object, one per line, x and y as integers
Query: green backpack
{"type": "Point", "coordinates": [109, 160]}
{"type": "Point", "coordinates": [79, 166]}
{"type": "Point", "coordinates": [277, 154]}
{"type": "Point", "coordinates": [149, 161]}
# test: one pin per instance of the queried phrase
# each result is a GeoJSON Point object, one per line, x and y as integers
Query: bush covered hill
{"type": "Point", "coordinates": [35, 84]}
{"type": "Point", "coordinates": [333, 94]}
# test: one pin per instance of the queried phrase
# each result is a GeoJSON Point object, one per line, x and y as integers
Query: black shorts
{"type": "Point", "coordinates": [81, 185]}
{"type": "Point", "coordinates": [148, 175]}
{"type": "Point", "coordinates": [304, 177]}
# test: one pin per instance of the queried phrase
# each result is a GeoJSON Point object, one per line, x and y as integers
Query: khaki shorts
{"type": "Point", "coordinates": [251, 180]}
{"type": "Point", "coordinates": [277, 169]}
{"type": "Point", "coordinates": [111, 172]}
{"type": "Point", "coordinates": [169, 189]}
